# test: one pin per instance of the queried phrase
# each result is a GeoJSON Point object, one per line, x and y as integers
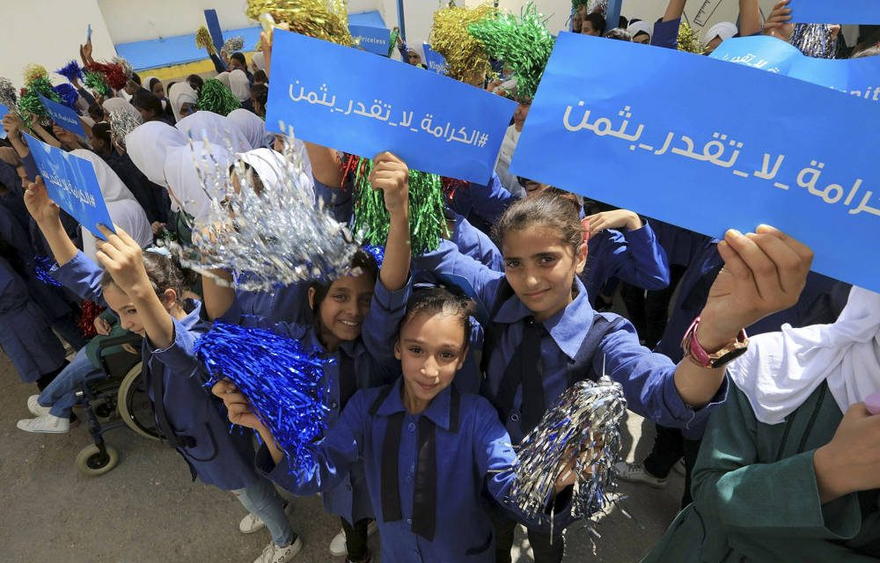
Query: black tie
{"type": "Point", "coordinates": [524, 370]}
{"type": "Point", "coordinates": [347, 379]}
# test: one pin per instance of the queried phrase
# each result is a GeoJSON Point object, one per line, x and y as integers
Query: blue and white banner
{"type": "Point", "coordinates": [745, 148]}
{"type": "Point", "coordinates": [434, 60]}
{"type": "Point", "coordinates": [3, 111]}
{"type": "Point", "coordinates": [373, 39]}
{"type": "Point", "coordinates": [835, 11]}
{"type": "Point", "coordinates": [72, 184]}
{"type": "Point", "coordinates": [857, 77]}
{"type": "Point", "coordinates": [351, 101]}
{"type": "Point", "coordinates": [63, 116]}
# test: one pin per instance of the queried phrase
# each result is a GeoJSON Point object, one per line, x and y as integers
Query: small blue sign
{"type": "Point", "coordinates": [835, 11]}
{"type": "Point", "coordinates": [434, 60]}
{"type": "Point", "coordinates": [712, 158]}
{"type": "Point", "coordinates": [72, 184]}
{"type": "Point", "coordinates": [351, 101]}
{"type": "Point", "coordinates": [3, 111]}
{"type": "Point", "coordinates": [373, 39]}
{"type": "Point", "coordinates": [63, 116]}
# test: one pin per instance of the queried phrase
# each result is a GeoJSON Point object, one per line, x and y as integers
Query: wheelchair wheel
{"type": "Point", "coordinates": [91, 462]}
{"type": "Point", "coordinates": [134, 405]}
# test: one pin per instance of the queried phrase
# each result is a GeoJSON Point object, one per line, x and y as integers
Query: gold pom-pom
{"type": "Point", "coordinates": [33, 71]}
{"type": "Point", "coordinates": [204, 41]}
{"type": "Point", "coordinates": [689, 40]}
{"type": "Point", "coordinates": [322, 19]}
{"type": "Point", "coordinates": [466, 59]}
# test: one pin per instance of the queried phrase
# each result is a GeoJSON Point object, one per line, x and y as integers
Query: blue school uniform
{"type": "Point", "coordinates": [284, 303]}
{"type": "Point", "coordinates": [425, 472]}
{"type": "Point", "coordinates": [473, 242]}
{"type": "Point", "coordinates": [25, 334]}
{"type": "Point", "coordinates": [192, 420]}
{"type": "Point", "coordinates": [666, 34]}
{"type": "Point", "coordinates": [360, 364]}
{"type": "Point", "coordinates": [482, 204]}
{"type": "Point", "coordinates": [634, 257]}
{"type": "Point", "coordinates": [338, 201]}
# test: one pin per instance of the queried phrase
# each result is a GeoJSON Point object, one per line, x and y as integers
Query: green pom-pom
{"type": "Point", "coordinates": [427, 222]}
{"type": "Point", "coordinates": [29, 102]}
{"type": "Point", "coordinates": [95, 82]}
{"type": "Point", "coordinates": [522, 43]}
{"type": "Point", "coordinates": [216, 97]}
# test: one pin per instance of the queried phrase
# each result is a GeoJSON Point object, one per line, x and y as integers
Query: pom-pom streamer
{"type": "Point", "coordinates": [322, 19]}
{"type": "Point", "coordinates": [71, 71]}
{"type": "Point", "coordinates": [42, 266]}
{"type": "Point", "coordinates": [68, 95]}
{"type": "Point", "coordinates": [215, 96]}
{"type": "Point", "coordinates": [204, 40]}
{"type": "Point", "coordinates": [466, 58]}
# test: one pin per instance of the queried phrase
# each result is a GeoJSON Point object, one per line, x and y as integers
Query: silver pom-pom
{"type": "Point", "coordinates": [584, 427]}
{"type": "Point", "coordinates": [265, 226]}
{"type": "Point", "coordinates": [126, 66]}
{"type": "Point", "coordinates": [7, 93]}
{"type": "Point", "coordinates": [121, 124]}
{"type": "Point", "coordinates": [814, 40]}
{"type": "Point", "coordinates": [233, 44]}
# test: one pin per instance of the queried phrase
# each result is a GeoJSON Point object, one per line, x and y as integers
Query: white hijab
{"type": "Point", "coordinates": [216, 128]}
{"type": "Point", "coordinates": [641, 26]}
{"type": "Point", "coordinates": [148, 146]}
{"type": "Point", "coordinates": [124, 209]}
{"type": "Point", "coordinates": [252, 127]}
{"type": "Point", "coordinates": [782, 369]}
{"type": "Point", "coordinates": [181, 93]}
{"type": "Point", "coordinates": [194, 171]}
{"type": "Point", "coordinates": [272, 168]}
{"type": "Point", "coordinates": [223, 77]}
{"type": "Point", "coordinates": [259, 59]}
{"type": "Point", "coordinates": [240, 85]}
{"type": "Point", "coordinates": [724, 30]}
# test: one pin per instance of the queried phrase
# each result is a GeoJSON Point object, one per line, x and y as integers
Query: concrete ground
{"type": "Point", "coordinates": [148, 510]}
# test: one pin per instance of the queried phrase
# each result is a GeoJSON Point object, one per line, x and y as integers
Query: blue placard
{"type": "Point", "coordinates": [373, 39]}
{"type": "Point", "coordinates": [836, 11]}
{"type": "Point", "coordinates": [858, 77]}
{"type": "Point", "coordinates": [3, 111]}
{"type": "Point", "coordinates": [72, 184]}
{"type": "Point", "coordinates": [746, 148]}
{"type": "Point", "coordinates": [63, 116]}
{"type": "Point", "coordinates": [354, 102]}
{"type": "Point", "coordinates": [434, 60]}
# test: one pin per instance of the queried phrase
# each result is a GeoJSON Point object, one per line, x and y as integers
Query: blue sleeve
{"type": "Point", "coordinates": [380, 327]}
{"type": "Point", "coordinates": [81, 276]}
{"type": "Point", "coordinates": [218, 63]}
{"type": "Point", "coordinates": [640, 260]}
{"type": "Point", "coordinates": [338, 200]}
{"type": "Point", "coordinates": [30, 166]}
{"type": "Point", "coordinates": [666, 34]}
{"type": "Point", "coordinates": [473, 242]}
{"type": "Point", "coordinates": [487, 202]}
{"type": "Point", "coordinates": [178, 356]}
{"type": "Point", "coordinates": [234, 315]}
{"type": "Point", "coordinates": [333, 455]}
{"type": "Point", "coordinates": [648, 381]}
{"type": "Point", "coordinates": [84, 94]}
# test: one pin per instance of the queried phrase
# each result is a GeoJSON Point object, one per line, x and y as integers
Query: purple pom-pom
{"type": "Point", "coordinates": [68, 95]}
{"type": "Point", "coordinates": [377, 252]}
{"type": "Point", "coordinates": [71, 71]}
{"type": "Point", "coordinates": [42, 266]}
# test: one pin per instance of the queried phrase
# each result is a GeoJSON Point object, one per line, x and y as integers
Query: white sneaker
{"type": "Point", "coordinates": [636, 473]}
{"type": "Point", "coordinates": [337, 544]}
{"type": "Point", "coordinates": [46, 424]}
{"type": "Point", "coordinates": [35, 407]}
{"type": "Point", "coordinates": [276, 554]}
{"type": "Point", "coordinates": [253, 523]}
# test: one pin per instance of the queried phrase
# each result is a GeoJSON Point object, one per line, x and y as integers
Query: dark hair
{"type": "Point", "coordinates": [598, 21]}
{"type": "Point", "coordinates": [164, 273]}
{"type": "Point", "coordinates": [623, 22]}
{"type": "Point", "coordinates": [102, 131]}
{"type": "Point", "coordinates": [260, 77]}
{"type": "Point", "coordinates": [869, 52]}
{"type": "Point", "coordinates": [440, 300]}
{"type": "Point", "coordinates": [260, 93]}
{"type": "Point", "coordinates": [546, 210]}
{"type": "Point", "coordinates": [238, 57]}
{"type": "Point", "coordinates": [362, 261]}
{"type": "Point", "coordinates": [148, 101]}
{"type": "Point", "coordinates": [195, 82]}
{"type": "Point", "coordinates": [153, 82]}
{"type": "Point", "coordinates": [96, 112]}
{"type": "Point", "coordinates": [136, 78]}
{"type": "Point", "coordinates": [619, 34]}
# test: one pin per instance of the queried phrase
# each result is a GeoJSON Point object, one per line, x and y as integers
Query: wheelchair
{"type": "Point", "coordinates": [114, 399]}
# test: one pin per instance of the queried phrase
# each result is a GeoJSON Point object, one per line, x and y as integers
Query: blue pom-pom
{"type": "Point", "coordinates": [42, 266]}
{"type": "Point", "coordinates": [71, 71]}
{"type": "Point", "coordinates": [68, 95]}
{"type": "Point", "coordinates": [282, 381]}
{"type": "Point", "coordinates": [377, 252]}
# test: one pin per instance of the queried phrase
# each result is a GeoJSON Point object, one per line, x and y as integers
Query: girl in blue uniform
{"type": "Point", "coordinates": [542, 333]}
{"type": "Point", "coordinates": [145, 291]}
{"type": "Point", "coordinates": [347, 327]}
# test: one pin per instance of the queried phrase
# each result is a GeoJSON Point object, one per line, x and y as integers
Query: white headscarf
{"type": "Point", "coordinates": [183, 169]}
{"type": "Point", "coordinates": [641, 26]}
{"type": "Point", "coordinates": [240, 85]}
{"type": "Point", "coordinates": [216, 128]}
{"type": "Point", "coordinates": [259, 59]}
{"type": "Point", "coordinates": [252, 127]}
{"type": "Point", "coordinates": [118, 104]}
{"type": "Point", "coordinates": [181, 93]}
{"type": "Point", "coordinates": [724, 30]}
{"type": "Point", "coordinates": [272, 168]}
{"type": "Point", "coordinates": [782, 369]}
{"type": "Point", "coordinates": [148, 146]}
{"type": "Point", "coordinates": [223, 77]}
{"type": "Point", "coordinates": [124, 209]}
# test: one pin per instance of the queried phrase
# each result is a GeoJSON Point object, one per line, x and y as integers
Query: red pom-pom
{"type": "Point", "coordinates": [90, 311]}
{"type": "Point", "coordinates": [113, 73]}
{"type": "Point", "coordinates": [451, 185]}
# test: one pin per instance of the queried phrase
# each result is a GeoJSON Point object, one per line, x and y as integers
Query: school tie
{"type": "Point", "coordinates": [347, 379]}
{"type": "Point", "coordinates": [525, 370]}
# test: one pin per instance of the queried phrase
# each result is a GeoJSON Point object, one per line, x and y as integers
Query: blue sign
{"type": "Point", "coordinates": [3, 111]}
{"type": "Point", "coordinates": [72, 184]}
{"type": "Point", "coordinates": [632, 132]}
{"type": "Point", "coordinates": [63, 116]}
{"type": "Point", "coordinates": [434, 60]}
{"type": "Point", "coordinates": [373, 39]}
{"type": "Point", "coordinates": [857, 77]}
{"type": "Point", "coordinates": [835, 11]}
{"type": "Point", "coordinates": [351, 101]}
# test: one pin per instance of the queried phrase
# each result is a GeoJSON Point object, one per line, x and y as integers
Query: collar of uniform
{"type": "Point", "coordinates": [438, 412]}
{"type": "Point", "coordinates": [193, 308]}
{"type": "Point", "coordinates": [348, 346]}
{"type": "Point", "coordinates": [567, 327]}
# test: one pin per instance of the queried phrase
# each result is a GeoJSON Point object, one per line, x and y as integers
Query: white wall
{"type": "Point", "coordinates": [150, 19]}
{"type": "Point", "coordinates": [49, 32]}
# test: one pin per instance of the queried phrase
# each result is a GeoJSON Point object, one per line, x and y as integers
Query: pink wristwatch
{"type": "Point", "coordinates": [695, 352]}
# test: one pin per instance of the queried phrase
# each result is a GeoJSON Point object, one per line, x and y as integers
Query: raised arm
{"type": "Point", "coordinates": [674, 10]}
{"type": "Point", "coordinates": [48, 218]}
{"type": "Point", "coordinates": [749, 18]}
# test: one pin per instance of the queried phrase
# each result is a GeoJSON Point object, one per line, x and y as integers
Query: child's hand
{"type": "Point", "coordinates": [102, 327]}
{"type": "Point", "coordinates": [763, 273]}
{"type": "Point", "coordinates": [391, 175]}
{"type": "Point", "coordinates": [778, 23]}
{"type": "Point", "coordinates": [237, 406]}
{"type": "Point", "coordinates": [42, 209]}
{"type": "Point", "coordinates": [616, 219]}
{"type": "Point", "coordinates": [123, 259]}
{"type": "Point", "coordinates": [69, 139]}
{"type": "Point", "coordinates": [12, 124]}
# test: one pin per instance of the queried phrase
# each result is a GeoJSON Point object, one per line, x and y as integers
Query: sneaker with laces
{"type": "Point", "coordinates": [45, 424]}
{"type": "Point", "coordinates": [337, 544]}
{"type": "Point", "coordinates": [252, 523]}
{"type": "Point", "coordinates": [636, 473]}
{"type": "Point", "coordinates": [35, 407]}
{"type": "Point", "coordinates": [277, 554]}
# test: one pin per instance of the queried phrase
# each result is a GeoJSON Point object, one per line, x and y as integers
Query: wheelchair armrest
{"type": "Point", "coordinates": [130, 338]}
